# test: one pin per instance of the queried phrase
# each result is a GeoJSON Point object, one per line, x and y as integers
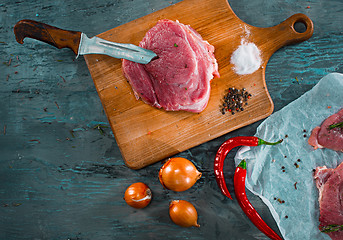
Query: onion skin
{"type": "Point", "coordinates": [138, 195]}
{"type": "Point", "coordinates": [178, 174]}
{"type": "Point", "coordinates": [183, 213]}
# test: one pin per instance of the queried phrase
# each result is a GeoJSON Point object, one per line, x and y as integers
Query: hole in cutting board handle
{"type": "Point", "coordinates": [300, 26]}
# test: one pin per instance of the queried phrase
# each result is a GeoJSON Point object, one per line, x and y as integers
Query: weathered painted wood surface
{"type": "Point", "coordinates": [61, 177]}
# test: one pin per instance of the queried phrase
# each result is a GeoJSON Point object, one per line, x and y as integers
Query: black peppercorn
{"type": "Point", "coordinates": [234, 100]}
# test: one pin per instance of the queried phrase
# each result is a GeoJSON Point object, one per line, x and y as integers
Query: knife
{"type": "Point", "coordinates": [79, 43]}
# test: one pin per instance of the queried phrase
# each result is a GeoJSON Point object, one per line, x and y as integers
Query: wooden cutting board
{"type": "Point", "coordinates": [145, 134]}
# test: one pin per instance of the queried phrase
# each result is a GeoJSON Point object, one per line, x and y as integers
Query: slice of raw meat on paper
{"type": "Point", "coordinates": [323, 137]}
{"type": "Point", "coordinates": [329, 182]}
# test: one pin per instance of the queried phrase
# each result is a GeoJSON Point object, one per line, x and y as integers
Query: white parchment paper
{"type": "Point", "coordinates": [265, 164]}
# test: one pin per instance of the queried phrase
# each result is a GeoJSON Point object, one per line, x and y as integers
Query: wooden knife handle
{"type": "Point", "coordinates": [52, 35]}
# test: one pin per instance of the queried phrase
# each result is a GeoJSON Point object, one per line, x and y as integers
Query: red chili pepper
{"type": "Point", "coordinates": [224, 149]}
{"type": "Point", "coordinates": [249, 210]}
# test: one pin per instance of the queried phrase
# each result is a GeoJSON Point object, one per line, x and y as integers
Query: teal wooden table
{"type": "Point", "coordinates": [63, 178]}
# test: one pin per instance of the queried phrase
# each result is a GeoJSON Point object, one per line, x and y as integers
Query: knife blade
{"type": "Point", "coordinates": [79, 43]}
{"type": "Point", "coordinates": [96, 45]}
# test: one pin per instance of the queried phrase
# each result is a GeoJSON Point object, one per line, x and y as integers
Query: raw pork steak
{"type": "Point", "coordinates": [180, 78]}
{"type": "Point", "coordinates": [323, 137]}
{"type": "Point", "coordinates": [330, 185]}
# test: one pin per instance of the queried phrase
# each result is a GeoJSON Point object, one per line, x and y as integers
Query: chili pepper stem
{"type": "Point", "coordinates": [243, 164]}
{"type": "Point", "coordinates": [261, 141]}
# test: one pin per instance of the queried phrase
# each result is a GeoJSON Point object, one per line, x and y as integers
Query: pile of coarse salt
{"type": "Point", "coordinates": [246, 59]}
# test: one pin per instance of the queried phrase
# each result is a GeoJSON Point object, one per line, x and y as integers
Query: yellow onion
{"type": "Point", "coordinates": [178, 174]}
{"type": "Point", "coordinates": [183, 213]}
{"type": "Point", "coordinates": [138, 195]}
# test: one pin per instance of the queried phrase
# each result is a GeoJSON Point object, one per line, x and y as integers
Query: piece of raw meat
{"type": "Point", "coordinates": [179, 79]}
{"type": "Point", "coordinates": [323, 137]}
{"type": "Point", "coordinates": [330, 185]}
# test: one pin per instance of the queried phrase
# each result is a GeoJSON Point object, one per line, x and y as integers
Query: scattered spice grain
{"type": "Point", "coordinates": [63, 78]}
{"type": "Point", "coordinates": [72, 133]}
{"type": "Point", "coordinates": [58, 107]}
{"type": "Point", "coordinates": [295, 185]}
